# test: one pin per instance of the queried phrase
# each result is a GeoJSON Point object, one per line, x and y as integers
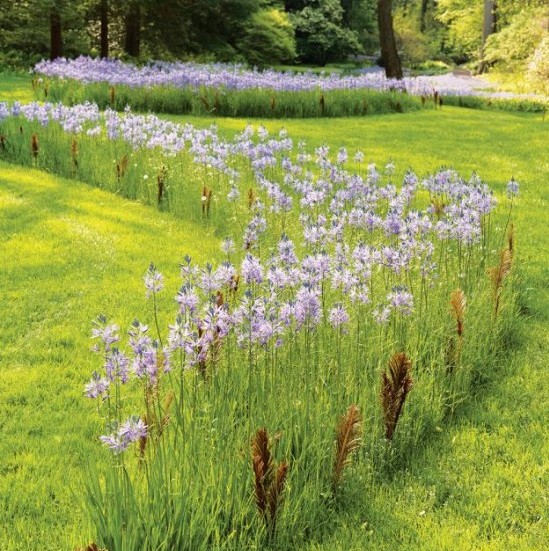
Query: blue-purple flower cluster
{"type": "Point", "coordinates": [237, 77]}
{"type": "Point", "coordinates": [353, 230]}
{"type": "Point", "coordinates": [326, 242]}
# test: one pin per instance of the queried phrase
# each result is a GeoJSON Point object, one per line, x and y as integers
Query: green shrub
{"type": "Point", "coordinates": [515, 44]}
{"type": "Point", "coordinates": [269, 39]}
{"type": "Point", "coordinates": [320, 35]}
{"type": "Point", "coordinates": [538, 68]}
{"type": "Point", "coordinates": [413, 44]}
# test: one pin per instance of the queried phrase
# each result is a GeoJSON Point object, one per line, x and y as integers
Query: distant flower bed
{"type": "Point", "coordinates": [237, 77]}
{"type": "Point", "coordinates": [219, 89]}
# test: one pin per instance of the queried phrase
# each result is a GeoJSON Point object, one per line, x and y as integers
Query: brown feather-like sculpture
{"type": "Point", "coordinates": [498, 274]}
{"type": "Point", "coordinates": [121, 167]}
{"type": "Point", "coordinates": [161, 183]}
{"type": "Point", "coordinates": [209, 202]}
{"type": "Point", "coordinates": [251, 198]}
{"type": "Point", "coordinates": [395, 386]}
{"type": "Point", "coordinates": [458, 304]}
{"type": "Point", "coordinates": [348, 441]}
{"type": "Point", "coordinates": [269, 479]}
{"type": "Point", "coordinates": [34, 146]}
{"type": "Point", "coordinates": [74, 153]}
{"type": "Point", "coordinates": [263, 468]}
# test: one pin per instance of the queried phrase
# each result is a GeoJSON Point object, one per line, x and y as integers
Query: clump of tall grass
{"type": "Point", "coordinates": [266, 104]}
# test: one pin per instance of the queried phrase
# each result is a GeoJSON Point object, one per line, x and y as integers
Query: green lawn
{"type": "Point", "coordinates": [15, 87]}
{"type": "Point", "coordinates": [70, 252]}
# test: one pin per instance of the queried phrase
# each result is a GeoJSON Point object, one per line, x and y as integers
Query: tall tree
{"type": "Point", "coordinates": [423, 15]}
{"type": "Point", "coordinates": [389, 54]}
{"type": "Point", "coordinates": [104, 17]}
{"type": "Point", "coordinates": [56, 36]}
{"type": "Point", "coordinates": [132, 22]}
{"type": "Point", "coordinates": [488, 28]}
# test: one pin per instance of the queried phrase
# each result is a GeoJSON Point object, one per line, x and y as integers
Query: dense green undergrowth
{"type": "Point", "coordinates": [267, 104]}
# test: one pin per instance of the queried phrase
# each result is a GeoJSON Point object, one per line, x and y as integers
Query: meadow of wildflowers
{"type": "Point", "coordinates": [343, 319]}
{"type": "Point", "coordinates": [234, 90]}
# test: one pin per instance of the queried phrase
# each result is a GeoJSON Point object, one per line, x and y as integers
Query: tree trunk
{"type": "Point", "coordinates": [488, 27]}
{"type": "Point", "coordinates": [104, 9]}
{"type": "Point", "coordinates": [133, 28]}
{"type": "Point", "coordinates": [56, 37]}
{"type": "Point", "coordinates": [424, 8]}
{"type": "Point", "coordinates": [389, 54]}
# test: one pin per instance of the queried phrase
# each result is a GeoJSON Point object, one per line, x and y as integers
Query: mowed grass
{"type": "Point", "coordinates": [15, 87]}
{"type": "Point", "coordinates": [70, 252]}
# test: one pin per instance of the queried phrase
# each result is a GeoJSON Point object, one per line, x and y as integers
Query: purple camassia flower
{"type": "Point", "coordinates": [98, 386]}
{"type": "Point", "coordinates": [277, 277]}
{"type": "Point", "coordinates": [237, 77]}
{"type": "Point", "coordinates": [314, 233]}
{"type": "Point", "coordinates": [227, 246]}
{"type": "Point", "coordinates": [382, 315]}
{"type": "Point", "coordinates": [187, 299]}
{"type": "Point", "coordinates": [393, 223]}
{"type": "Point", "coordinates": [512, 188]}
{"type": "Point", "coordinates": [315, 268]}
{"type": "Point", "coordinates": [116, 365]}
{"type": "Point", "coordinates": [133, 429]}
{"type": "Point", "coordinates": [188, 271]}
{"type": "Point", "coordinates": [208, 281]}
{"type": "Point", "coordinates": [234, 194]}
{"type": "Point", "coordinates": [338, 316]}
{"type": "Point", "coordinates": [344, 279]}
{"type": "Point", "coordinates": [225, 274]}
{"type": "Point", "coordinates": [139, 339]}
{"type": "Point", "coordinates": [364, 259]}
{"type": "Point", "coordinates": [147, 363]}
{"type": "Point", "coordinates": [360, 293]}
{"type": "Point", "coordinates": [179, 335]}
{"type": "Point", "coordinates": [342, 156]}
{"type": "Point", "coordinates": [217, 321]}
{"type": "Point", "coordinates": [401, 300]}
{"type": "Point", "coordinates": [307, 308]}
{"type": "Point", "coordinates": [255, 321]}
{"type": "Point", "coordinates": [5, 111]}
{"type": "Point", "coordinates": [108, 334]}
{"type": "Point", "coordinates": [154, 281]}
{"type": "Point", "coordinates": [256, 227]}
{"type": "Point", "coordinates": [251, 269]}
{"type": "Point", "coordinates": [130, 431]}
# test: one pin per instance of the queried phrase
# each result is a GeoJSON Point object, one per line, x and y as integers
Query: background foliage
{"type": "Point", "coordinates": [431, 34]}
